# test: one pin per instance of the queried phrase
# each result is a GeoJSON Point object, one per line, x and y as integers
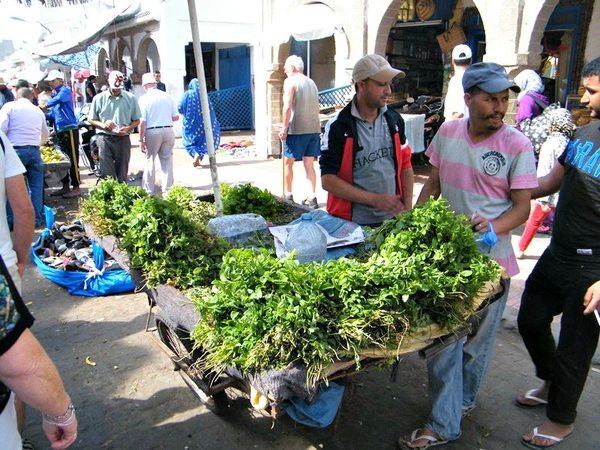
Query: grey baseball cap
{"type": "Point", "coordinates": [489, 77]}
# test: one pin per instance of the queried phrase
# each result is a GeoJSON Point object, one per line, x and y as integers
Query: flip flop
{"type": "Point", "coordinates": [431, 441]}
{"type": "Point", "coordinates": [529, 395]}
{"type": "Point", "coordinates": [557, 440]}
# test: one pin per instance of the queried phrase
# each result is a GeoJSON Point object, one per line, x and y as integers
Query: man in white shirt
{"type": "Point", "coordinates": [454, 103]}
{"type": "Point", "coordinates": [25, 126]}
{"type": "Point", "coordinates": [156, 133]}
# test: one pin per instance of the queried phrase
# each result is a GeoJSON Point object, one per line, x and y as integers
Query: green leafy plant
{"type": "Point", "coordinates": [246, 198]}
{"type": "Point", "coordinates": [107, 204]}
{"type": "Point", "coordinates": [265, 313]}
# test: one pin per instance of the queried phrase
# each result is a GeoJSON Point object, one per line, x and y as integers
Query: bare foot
{"type": "Point", "coordinates": [554, 432]}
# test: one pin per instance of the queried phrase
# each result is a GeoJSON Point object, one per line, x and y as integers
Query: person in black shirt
{"type": "Point", "coordinates": [566, 280]}
{"type": "Point", "coordinates": [90, 88]}
{"type": "Point", "coordinates": [159, 84]}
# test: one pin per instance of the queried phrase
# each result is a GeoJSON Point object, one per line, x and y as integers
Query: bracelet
{"type": "Point", "coordinates": [68, 416]}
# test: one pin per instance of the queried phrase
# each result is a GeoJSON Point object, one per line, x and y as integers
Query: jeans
{"type": "Point", "coordinates": [557, 286]}
{"type": "Point", "coordinates": [34, 178]}
{"type": "Point", "coordinates": [456, 373]}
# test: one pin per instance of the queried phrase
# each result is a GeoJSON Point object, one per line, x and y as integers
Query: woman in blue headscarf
{"type": "Point", "coordinates": [194, 138]}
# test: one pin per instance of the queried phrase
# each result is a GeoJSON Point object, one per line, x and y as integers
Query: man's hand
{"type": "Point", "coordinates": [392, 204]}
{"type": "Point", "coordinates": [591, 299]}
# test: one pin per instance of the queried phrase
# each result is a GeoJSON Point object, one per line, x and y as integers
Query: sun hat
{"type": "Point", "coordinates": [115, 79]}
{"type": "Point", "coordinates": [489, 77]}
{"type": "Point", "coordinates": [148, 78]}
{"type": "Point", "coordinates": [54, 75]}
{"type": "Point", "coordinates": [461, 51]}
{"type": "Point", "coordinates": [375, 67]}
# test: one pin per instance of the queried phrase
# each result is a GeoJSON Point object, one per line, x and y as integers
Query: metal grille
{"type": "Point", "coordinates": [233, 107]}
{"type": "Point", "coordinates": [335, 97]}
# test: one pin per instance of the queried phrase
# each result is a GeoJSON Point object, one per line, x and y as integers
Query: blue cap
{"type": "Point", "coordinates": [489, 77]}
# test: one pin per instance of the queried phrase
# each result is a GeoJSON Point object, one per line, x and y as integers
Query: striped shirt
{"type": "Point", "coordinates": [479, 177]}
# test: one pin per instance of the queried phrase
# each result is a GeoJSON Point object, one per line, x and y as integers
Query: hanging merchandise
{"type": "Point", "coordinates": [451, 38]}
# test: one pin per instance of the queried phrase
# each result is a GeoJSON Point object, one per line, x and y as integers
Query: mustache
{"type": "Point", "coordinates": [494, 115]}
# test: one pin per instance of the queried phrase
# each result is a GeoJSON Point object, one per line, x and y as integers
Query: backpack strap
{"type": "Point", "coordinates": [537, 101]}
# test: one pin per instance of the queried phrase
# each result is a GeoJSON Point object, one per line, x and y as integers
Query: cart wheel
{"type": "Point", "coordinates": [174, 340]}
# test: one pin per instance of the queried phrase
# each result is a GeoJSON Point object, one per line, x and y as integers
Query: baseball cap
{"type": "Point", "coordinates": [375, 67]}
{"type": "Point", "coordinates": [115, 79]}
{"type": "Point", "coordinates": [148, 78]}
{"type": "Point", "coordinates": [462, 51]}
{"type": "Point", "coordinates": [54, 75]}
{"type": "Point", "coordinates": [489, 77]}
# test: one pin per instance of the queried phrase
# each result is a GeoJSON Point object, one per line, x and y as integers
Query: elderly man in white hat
{"type": "Point", "coordinates": [365, 157]}
{"type": "Point", "coordinates": [156, 133]}
{"type": "Point", "coordinates": [115, 113]}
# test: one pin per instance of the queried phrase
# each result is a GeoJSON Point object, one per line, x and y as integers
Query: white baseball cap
{"type": "Point", "coordinates": [148, 78]}
{"type": "Point", "coordinates": [462, 51]}
{"type": "Point", "coordinates": [375, 67]}
{"type": "Point", "coordinates": [115, 79]}
{"type": "Point", "coordinates": [54, 75]}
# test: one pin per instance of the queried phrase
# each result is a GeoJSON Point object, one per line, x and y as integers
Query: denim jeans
{"type": "Point", "coordinates": [456, 373]}
{"type": "Point", "coordinates": [34, 178]}
{"type": "Point", "coordinates": [557, 286]}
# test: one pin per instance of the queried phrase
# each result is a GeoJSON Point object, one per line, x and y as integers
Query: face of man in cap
{"type": "Point", "coordinates": [373, 77]}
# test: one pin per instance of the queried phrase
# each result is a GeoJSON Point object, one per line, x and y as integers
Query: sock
{"type": "Point", "coordinates": [312, 196]}
{"type": "Point", "coordinates": [288, 193]}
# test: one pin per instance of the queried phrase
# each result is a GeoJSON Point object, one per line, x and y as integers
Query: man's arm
{"type": "Point", "coordinates": [511, 219]}
{"type": "Point", "coordinates": [549, 184]}
{"type": "Point", "coordinates": [432, 187]}
{"type": "Point", "coordinates": [142, 131]}
{"type": "Point", "coordinates": [24, 222]}
{"type": "Point", "coordinates": [407, 179]}
{"type": "Point", "coordinates": [28, 371]}
{"type": "Point", "coordinates": [288, 98]}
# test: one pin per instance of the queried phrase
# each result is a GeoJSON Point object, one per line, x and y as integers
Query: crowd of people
{"type": "Point", "coordinates": [483, 167]}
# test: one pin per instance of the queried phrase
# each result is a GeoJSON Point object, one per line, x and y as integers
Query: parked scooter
{"type": "Point", "coordinates": [433, 108]}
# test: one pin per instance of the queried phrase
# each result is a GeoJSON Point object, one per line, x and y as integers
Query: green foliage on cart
{"type": "Point", "coordinates": [265, 313]}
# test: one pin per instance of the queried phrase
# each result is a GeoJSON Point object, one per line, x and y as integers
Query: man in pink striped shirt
{"type": "Point", "coordinates": [486, 170]}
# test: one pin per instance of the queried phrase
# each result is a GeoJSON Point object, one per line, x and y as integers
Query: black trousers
{"type": "Point", "coordinates": [557, 286]}
{"type": "Point", "coordinates": [68, 141]}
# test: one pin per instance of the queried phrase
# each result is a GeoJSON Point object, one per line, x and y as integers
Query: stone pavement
{"type": "Point", "coordinates": [495, 424]}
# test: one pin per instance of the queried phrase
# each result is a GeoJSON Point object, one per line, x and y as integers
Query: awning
{"type": "Point", "coordinates": [91, 32]}
{"type": "Point", "coordinates": [307, 23]}
{"type": "Point", "coordinates": [79, 60]}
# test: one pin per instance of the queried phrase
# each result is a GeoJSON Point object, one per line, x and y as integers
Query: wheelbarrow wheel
{"type": "Point", "coordinates": [178, 341]}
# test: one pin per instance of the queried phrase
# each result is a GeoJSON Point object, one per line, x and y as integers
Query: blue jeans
{"type": "Point", "coordinates": [456, 373]}
{"type": "Point", "coordinates": [34, 178]}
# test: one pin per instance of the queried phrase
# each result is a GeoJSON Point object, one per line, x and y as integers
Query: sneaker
{"type": "Point", "coordinates": [289, 198]}
{"type": "Point", "coordinates": [310, 203]}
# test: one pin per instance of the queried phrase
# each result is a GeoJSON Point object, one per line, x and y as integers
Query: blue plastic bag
{"type": "Point", "coordinates": [95, 283]}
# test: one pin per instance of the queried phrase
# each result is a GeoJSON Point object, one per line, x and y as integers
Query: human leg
{"type": "Point", "coordinates": [106, 156]}
{"type": "Point", "coordinates": [165, 156]}
{"type": "Point", "coordinates": [537, 217]}
{"type": "Point", "coordinates": [479, 347]}
{"type": "Point", "coordinates": [70, 145]}
{"type": "Point", "coordinates": [35, 179]}
{"type": "Point", "coordinates": [122, 157]}
{"type": "Point", "coordinates": [152, 146]}
{"type": "Point", "coordinates": [312, 151]}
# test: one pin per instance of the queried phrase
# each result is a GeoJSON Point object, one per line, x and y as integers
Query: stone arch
{"type": "Point", "coordinates": [388, 20]}
{"type": "Point", "coordinates": [123, 57]}
{"type": "Point", "coordinates": [148, 58]}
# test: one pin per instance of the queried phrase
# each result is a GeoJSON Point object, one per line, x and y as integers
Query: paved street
{"type": "Point", "coordinates": [132, 399]}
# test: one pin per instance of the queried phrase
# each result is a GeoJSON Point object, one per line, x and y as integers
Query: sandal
{"type": "Point", "coordinates": [531, 395]}
{"type": "Point", "coordinates": [556, 440]}
{"type": "Point", "coordinates": [431, 441]}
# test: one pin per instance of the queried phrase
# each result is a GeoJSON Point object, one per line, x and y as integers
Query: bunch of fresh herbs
{"type": "Point", "coordinates": [265, 313]}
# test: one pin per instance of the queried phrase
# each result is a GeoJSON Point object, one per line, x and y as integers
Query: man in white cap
{"type": "Point", "coordinates": [365, 161]}
{"type": "Point", "coordinates": [60, 110]}
{"type": "Point", "coordinates": [115, 113]}
{"type": "Point", "coordinates": [156, 133]}
{"type": "Point", "coordinates": [454, 103]}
